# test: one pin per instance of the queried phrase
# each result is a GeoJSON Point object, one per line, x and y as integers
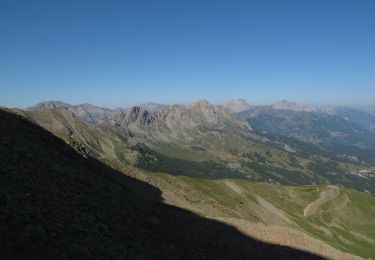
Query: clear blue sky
{"type": "Point", "coordinates": [116, 53]}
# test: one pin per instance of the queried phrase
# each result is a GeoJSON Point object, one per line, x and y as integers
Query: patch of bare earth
{"type": "Point", "coordinates": [273, 210]}
{"type": "Point", "coordinates": [363, 237]}
{"type": "Point", "coordinates": [232, 185]}
{"type": "Point", "coordinates": [330, 193]}
{"type": "Point", "coordinates": [280, 235]}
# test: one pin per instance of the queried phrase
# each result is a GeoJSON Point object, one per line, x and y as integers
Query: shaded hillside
{"type": "Point", "coordinates": [54, 202]}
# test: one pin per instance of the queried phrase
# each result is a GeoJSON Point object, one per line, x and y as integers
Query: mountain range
{"type": "Point", "coordinates": [315, 127]}
{"type": "Point", "coordinates": [263, 143]}
{"type": "Point", "coordinates": [90, 113]}
{"type": "Point", "coordinates": [342, 129]}
{"type": "Point", "coordinates": [210, 160]}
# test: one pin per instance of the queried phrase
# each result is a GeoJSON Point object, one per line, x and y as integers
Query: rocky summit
{"type": "Point", "coordinates": [237, 105]}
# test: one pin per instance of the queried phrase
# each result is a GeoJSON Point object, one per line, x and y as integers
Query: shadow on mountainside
{"type": "Point", "coordinates": [54, 202]}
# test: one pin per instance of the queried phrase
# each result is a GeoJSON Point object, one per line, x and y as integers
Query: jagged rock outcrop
{"type": "Point", "coordinates": [179, 121]}
{"type": "Point", "coordinates": [135, 115]}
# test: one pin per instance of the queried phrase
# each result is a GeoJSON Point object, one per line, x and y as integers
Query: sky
{"type": "Point", "coordinates": [120, 53]}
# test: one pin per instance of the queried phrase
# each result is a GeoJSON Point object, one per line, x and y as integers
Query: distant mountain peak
{"type": "Point", "coordinates": [237, 105]}
{"type": "Point", "coordinates": [137, 111]}
{"type": "Point", "coordinates": [284, 104]}
{"type": "Point", "coordinates": [292, 106]}
{"type": "Point", "coordinates": [52, 104]}
{"type": "Point", "coordinates": [88, 112]}
{"type": "Point", "coordinates": [198, 103]}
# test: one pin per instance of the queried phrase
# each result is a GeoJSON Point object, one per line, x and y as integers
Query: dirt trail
{"type": "Point", "coordinates": [363, 237]}
{"type": "Point", "coordinates": [331, 192]}
{"type": "Point", "coordinates": [274, 234]}
{"type": "Point", "coordinates": [341, 202]}
{"type": "Point", "coordinates": [271, 208]}
{"type": "Point", "coordinates": [232, 185]}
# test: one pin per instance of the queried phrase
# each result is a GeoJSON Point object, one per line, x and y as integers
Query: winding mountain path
{"type": "Point", "coordinates": [330, 192]}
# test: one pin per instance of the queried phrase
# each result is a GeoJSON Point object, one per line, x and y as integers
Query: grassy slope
{"type": "Point", "coordinates": [345, 226]}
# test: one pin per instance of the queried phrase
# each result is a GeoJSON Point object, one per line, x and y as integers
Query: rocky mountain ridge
{"type": "Point", "coordinates": [90, 113]}
{"type": "Point", "coordinates": [179, 120]}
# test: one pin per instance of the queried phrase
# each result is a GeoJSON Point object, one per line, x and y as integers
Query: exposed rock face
{"type": "Point", "coordinates": [81, 149]}
{"type": "Point", "coordinates": [237, 105]}
{"type": "Point", "coordinates": [208, 113]}
{"type": "Point", "coordinates": [135, 115]}
{"type": "Point", "coordinates": [198, 103]}
{"type": "Point", "coordinates": [180, 121]}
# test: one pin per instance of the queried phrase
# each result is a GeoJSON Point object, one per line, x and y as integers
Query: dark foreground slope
{"type": "Point", "coordinates": [54, 202]}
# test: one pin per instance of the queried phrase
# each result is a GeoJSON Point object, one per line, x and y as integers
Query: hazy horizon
{"type": "Point", "coordinates": [370, 109]}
